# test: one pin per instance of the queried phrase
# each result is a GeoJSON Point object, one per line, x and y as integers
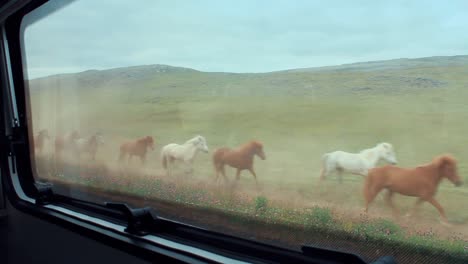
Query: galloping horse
{"type": "Point", "coordinates": [356, 163]}
{"type": "Point", "coordinates": [66, 141]}
{"type": "Point", "coordinates": [240, 158]}
{"type": "Point", "coordinates": [185, 152]}
{"type": "Point", "coordinates": [89, 145]}
{"type": "Point", "coordinates": [137, 147]}
{"type": "Point", "coordinates": [40, 139]}
{"type": "Point", "coordinates": [421, 182]}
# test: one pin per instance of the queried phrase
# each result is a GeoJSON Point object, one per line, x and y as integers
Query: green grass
{"type": "Point", "coordinates": [378, 232]}
{"type": "Point", "coordinates": [261, 203]}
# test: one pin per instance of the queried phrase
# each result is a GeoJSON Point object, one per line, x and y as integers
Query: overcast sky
{"type": "Point", "coordinates": [242, 35]}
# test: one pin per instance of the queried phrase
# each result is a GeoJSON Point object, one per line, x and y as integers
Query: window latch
{"type": "Point", "coordinates": [14, 145]}
{"type": "Point", "coordinates": [45, 194]}
{"type": "Point", "coordinates": [139, 220]}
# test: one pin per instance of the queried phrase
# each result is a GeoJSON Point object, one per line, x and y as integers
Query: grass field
{"type": "Point", "coordinates": [298, 116]}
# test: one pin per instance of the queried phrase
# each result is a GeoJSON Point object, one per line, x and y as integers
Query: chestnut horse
{"type": "Point", "coordinates": [421, 182]}
{"type": "Point", "coordinates": [240, 158]}
{"type": "Point", "coordinates": [40, 139]}
{"type": "Point", "coordinates": [137, 147]}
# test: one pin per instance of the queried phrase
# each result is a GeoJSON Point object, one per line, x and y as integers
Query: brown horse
{"type": "Point", "coordinates": [137, 147]}
{"type": "Point", "coordinates": [240, 158]}
{"type": "Point", "coordinates": [66, 141]}
{"type": "Point", "coordinates": [421, 182]}
{"type": "Point", "coordinates": [40, 139]}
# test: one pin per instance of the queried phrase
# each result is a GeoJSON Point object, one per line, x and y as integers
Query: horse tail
{"type": "Point", "coordinates": [215, 160]}
{"type": "Point", "coordinates": [164, 161]}
{"type": "Point", "coordinates": [122, 153]}
{"type": "Point", "coordinates": [323, 171]}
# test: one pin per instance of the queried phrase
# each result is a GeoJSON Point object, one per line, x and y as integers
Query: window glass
{"type": "Point", "coordinates": [273, 120]}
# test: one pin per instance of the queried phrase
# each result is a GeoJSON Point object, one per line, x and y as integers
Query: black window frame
{"type": "Point", "coordinates": [101, 223]}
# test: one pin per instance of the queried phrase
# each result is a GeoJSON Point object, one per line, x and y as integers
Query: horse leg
{"type": "Point", "coordinates": [326, 168]}
{"type": "Point", "coordinates": [189, 165]}
{"type": "Point", "coordinates": [216, 167]}
{"type": "Point", "coordinates": [121, 156]}
{"type": "Point", "coordinates": [168, 165]}
{"type": "Point", "coordinates": [223, 172]}
{"type": "Point", "coordinates": [388, 200]}
{"type": "Point", "coordinates": [415, 208]}
{"type": "Point", "coordinates": [219, 169]}
{"type": "Point", "coordinates": [440, 209]}
{"type": "Point", "coordinates": [238, 174]}
{"type": "Point", "coordinates": [370, 192]}
{"type": "Point", "coordinates": [322, 174]}
{"type": "Point", "coordinates": [340, 175]}
{"type": "Point", "coordinates": [255, 177]}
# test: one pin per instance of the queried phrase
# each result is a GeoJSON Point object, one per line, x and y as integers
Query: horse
{"type": "Point", "coordinates": [137, 147]}
{"type": "Point", "coordinates": [240, 159]}
{"type": "Point", "coordinates": [89, 145]}
{"type": "Point", "coordinates": [185, 152]}
{"type": "Point", "coordinates": [421, 182]}
{"type": "Point", "coordinates": [66, 141]}
{"type": "Point", "coordinates": [356, 163]}
{"type": "Point", "coordinates": [39, 140]}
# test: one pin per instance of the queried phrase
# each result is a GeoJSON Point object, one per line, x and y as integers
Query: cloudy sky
{"type": "Point", "coordinates": [241, 35]}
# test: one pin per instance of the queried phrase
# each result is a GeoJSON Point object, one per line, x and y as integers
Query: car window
{"type": "Point", "coordinates": [337, 124]}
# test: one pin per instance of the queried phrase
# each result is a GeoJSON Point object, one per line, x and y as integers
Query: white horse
{"type": "Point", "coordinates": [89, 145]}
{"type": "Point", "coordinates": [356, 163]}
{"type": "Point", "coordinates": [185, 152]}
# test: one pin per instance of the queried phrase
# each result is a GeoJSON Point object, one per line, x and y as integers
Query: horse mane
{"type": "Point", "coordinates": [257, 144]}
{"type": "Point", "coordinates": [386, 144]}
{"type": "Point", "coordinates": [444, 157]}
{"type": "Point", "coordinates": [252, 144]}
{"type": "Point", "coordinates": [194, 139]}
{"type": "Point", "coordinates": [381, 144]}
{"type": "Point", "coordinates": [144, 139]}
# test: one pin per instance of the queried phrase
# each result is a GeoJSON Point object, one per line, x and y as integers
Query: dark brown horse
{"type": "Point", "coordinates": [240, 158]}
{"type": "Point", "coordinates": [137, 147]}
{"type": "Point", "coordinates": [421, 182]}
{"type": "Point", "coordinates": [39, 140]}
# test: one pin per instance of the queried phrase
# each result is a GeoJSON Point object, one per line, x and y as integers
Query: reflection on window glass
{"type": "Point", "coordinates": [337, 124]}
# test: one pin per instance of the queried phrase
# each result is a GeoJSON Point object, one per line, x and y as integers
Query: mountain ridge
{"type": "Point", "coordinates": [398, 63]}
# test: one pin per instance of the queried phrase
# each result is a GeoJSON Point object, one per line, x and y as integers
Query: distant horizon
{"type": "Point", "coordinates": [280, 70]}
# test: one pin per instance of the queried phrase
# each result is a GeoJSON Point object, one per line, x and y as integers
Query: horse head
{"type": "Point", "coordinates": [149, 142]}
{"type": "Point", "coordinates": [258, 149]}
{"type": "Point", "coordinates": [387, 153]}
{"type": "Point", "coordinates": [200, 143]}
{"type": "Point", "coordinates": [448, 168]}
